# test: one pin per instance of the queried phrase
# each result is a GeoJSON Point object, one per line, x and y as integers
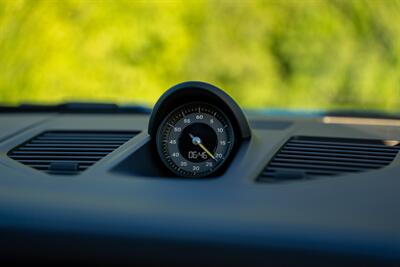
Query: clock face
{"type": "Point", "coordinates": [195, 139]}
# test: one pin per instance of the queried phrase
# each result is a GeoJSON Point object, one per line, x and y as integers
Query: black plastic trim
{"type": "Point", "coordinates": [198, 91]}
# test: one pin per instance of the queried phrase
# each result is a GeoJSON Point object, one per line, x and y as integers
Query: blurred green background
{"type": "Point", "coordinates": [266, 54]}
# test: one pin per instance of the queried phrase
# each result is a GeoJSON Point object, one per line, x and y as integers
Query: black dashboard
{"type": "Point", "coordinates": [294, 190]}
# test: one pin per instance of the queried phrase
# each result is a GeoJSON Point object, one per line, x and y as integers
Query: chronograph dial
{"type": "Point", "coordinates": [195, 139]}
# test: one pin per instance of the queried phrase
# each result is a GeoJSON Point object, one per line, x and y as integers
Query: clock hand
{"type": "Point", "coordinates": [206, 150]}
{"type": "Point", "coordinates": [197, 141]}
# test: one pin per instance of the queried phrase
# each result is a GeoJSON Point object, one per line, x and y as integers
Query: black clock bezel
{"type": "Point", "coordinates": [195, 91]}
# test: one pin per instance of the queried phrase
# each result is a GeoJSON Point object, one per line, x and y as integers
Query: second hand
{"type": "Point", "coordinates": [197, 141]}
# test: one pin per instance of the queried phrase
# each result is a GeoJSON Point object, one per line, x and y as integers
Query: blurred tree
{"type": "Point", "coordinates": [290, 53]}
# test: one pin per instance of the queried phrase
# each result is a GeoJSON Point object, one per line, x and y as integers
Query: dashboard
{"type": "Point", "coordinates": [199, 182]}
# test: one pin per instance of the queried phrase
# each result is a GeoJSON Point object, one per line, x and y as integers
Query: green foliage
{"type": "Point", "coordinates": [291, 54]}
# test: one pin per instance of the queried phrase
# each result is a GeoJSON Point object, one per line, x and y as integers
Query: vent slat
{"type": "Point", "coordinates": [76, 149]}
{"type": "Point", "coordinates": [54, 157]}
{"type": "Point", "coordinates": [41, 165]}
{"type": "Point", "coordinates": [86, 161]}
{"type": "Point", "coordinates": [378, 145]}
{"type": "Point", "coordinates": [341, 159]}
{"type": "Point", "coordinates": [77, 153]}
{"type": "Point", "coordinates": [305, 157]}
{"type": "Point", "coordinates": [86, 138]}
{"type": "Point", "coordinates": [358, 148]}
{"type": "Point", "coordinates": [325, 150]}
{"type": "Point", "coordinates": [68, 152]}
{"type": "Point", "coordinates": [95, 135]}
{"type": "Point", "coordinates": [315, 172]}
{"type": "Point", "coordinates": [358, 156]}
{"type": "Point", "coordinates": [318, 167]}
{"type": "Point", "coordinates": [83, 145]}
{"type": "Point", "coordinates": [327, 163]}
{"type": "Point", "coordinates": [77, 141]}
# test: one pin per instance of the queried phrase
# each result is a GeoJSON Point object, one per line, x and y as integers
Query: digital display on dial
{"type": "Point", "coordinates": [195, 139]}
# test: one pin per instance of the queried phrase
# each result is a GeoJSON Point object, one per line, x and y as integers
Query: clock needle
{"type": "Point", "coordinates": [197, 141]}
{"type": "Point", "coordinates": [206, 150]}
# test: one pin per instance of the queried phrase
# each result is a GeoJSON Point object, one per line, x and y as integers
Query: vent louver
{"type": "Point", "coordinates": [68, 152]}
{"type": "Point", "coordinates": [307, 157]}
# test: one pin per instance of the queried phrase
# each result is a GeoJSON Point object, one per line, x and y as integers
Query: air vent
{"type": "Point", "coordinates": [308, 157]}
{"type": "Point", "coordinates": [68, 152]}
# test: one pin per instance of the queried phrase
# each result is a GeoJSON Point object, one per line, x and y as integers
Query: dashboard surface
{"type": "Point", "coordinates": [116, 212]}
